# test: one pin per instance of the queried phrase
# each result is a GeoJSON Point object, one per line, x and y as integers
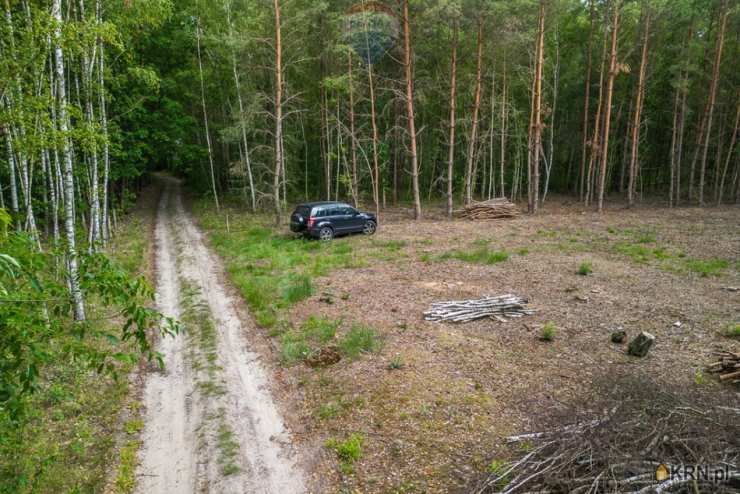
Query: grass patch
{"type": "Point", "coordinates": [480, 255]}
{"type": "Point", "coordinates": [705, 268]}
{"type": "Point", "coordinates": [273, 271]}
{"type": "Point", "coordinates": [348, 451]}
{"type": "Point", "coordinates": [733, 330]}
{"type": "Point", "coordinates": [359, 339]}
{"type": "Point", "coordinates": [126, 476]}
{"type": "Point", "coordinates": [390, 245]}
{"type": "Point", "coordinates": [296, 345]}
{"type": "Point", "coordinates": [585, 269]}
{"type": "Point", "coordinates": [228, 449]}
{"type": "Point", "coordinates": [548, 331]}
{"type": "Point", "coordinates": [523, 251]}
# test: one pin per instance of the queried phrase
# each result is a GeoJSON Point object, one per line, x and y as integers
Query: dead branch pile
{"type": "Point", "coordinates": [470, 310]}
{"type": "Point", "coordinates": [489, 210]}
{"type": "Point", "coordinates": [728, 366]}
{"type": "Point", "coordinates": [696, 437]}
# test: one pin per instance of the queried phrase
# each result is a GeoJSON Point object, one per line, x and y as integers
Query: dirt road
{"type": "Point", "coordinates": [211, 424]}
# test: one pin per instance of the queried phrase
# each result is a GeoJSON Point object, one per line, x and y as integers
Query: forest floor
{"type": "Point", "coordinates": [415, 406]}
{"type": "Point", "coordinates": [210, 422]}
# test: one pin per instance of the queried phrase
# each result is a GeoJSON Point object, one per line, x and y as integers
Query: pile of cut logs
{"type": "Point", "coordinates": [489, 210]}
{"type": "Point", "coordinates": [469, 310]}
{"type": "Point", "coordinates": [728, 366]}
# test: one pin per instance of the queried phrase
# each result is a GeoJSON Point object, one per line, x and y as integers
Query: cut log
{"type": "Point", "coordinates": [727, 366]}
{"type": "Point", "coordinates": [498, 308]}
{"type": "Point", "coordinates": [640, 346]}
{"type": "Point", "coordinates": [488, 210]}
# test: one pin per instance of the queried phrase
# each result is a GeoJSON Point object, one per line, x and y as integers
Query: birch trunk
{"type": "Point", "coordinates": [374, 123]}
{"type": "Point", "coordinates": [205, 114]}
{"type": "Point", "coordinates": [242, 123]}
{"type": "Point", "coordinates": [69, 213]}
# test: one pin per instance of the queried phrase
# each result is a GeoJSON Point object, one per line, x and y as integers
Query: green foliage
{"type": "Point", "coordinates": [548, 331]}
{"type": "Point", "coordinates": [733, 330]}
{"type": "Point", "coordinates": [585, 269]}
{"type": "Point", "coordinates": [348, 451]}
{"type": "Point", "coordinates": [396, 363]}
{"type": "Point", "coordinates": [359, 339]}
{"type": "Point", "coordinates": [272, 271]}
{"type": "Point", "coordinates": [710, 267]}
{"type": "Point", "coordinates": [296, 345]}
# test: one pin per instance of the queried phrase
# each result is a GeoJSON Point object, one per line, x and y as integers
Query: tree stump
{"type": "Point", "coordinates": [640, 346]}
{"type": "Point", "coordinates": [619, 336]}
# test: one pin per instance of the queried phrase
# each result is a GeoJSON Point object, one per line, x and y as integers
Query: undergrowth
{"type": "Point", "coordinates": [273, 270]}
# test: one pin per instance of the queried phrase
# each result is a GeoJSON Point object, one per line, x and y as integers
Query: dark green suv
{"type": "Point", "coordinates": [325, 220]}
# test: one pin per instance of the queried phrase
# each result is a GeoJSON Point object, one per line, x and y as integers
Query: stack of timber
{"type": "Point", "coordinates": [491, 209]}
{"type": "Point", "coordinates": [728, 366]}
{"type": "Point", "coordinates": [469, 310]}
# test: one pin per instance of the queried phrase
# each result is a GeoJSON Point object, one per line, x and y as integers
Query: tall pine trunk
{"type": "Point", "coordinates": [476, 111]}
{"type": "Point", "coordinates": [453, 119]}
{"type": "Point", "coordinates": [733, 140]}
{"type": "Point", "coordinates": [279, 116]}
{"type": "Point", "coordinates": [410, 110]}
{"type": "Point", "coordinates": [535, 131]}
{"type": "Point", "coordinates": [608, 111]}
{"type": "Point", "coordinates": [586, 102]}
{"type": "Point", "coordinates": [634, 164]}
{"type": "Point", "coordinates": [712, 96]}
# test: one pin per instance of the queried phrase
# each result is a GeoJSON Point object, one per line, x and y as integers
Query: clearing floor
{"type": "Point", "coordinates": [430, 409]}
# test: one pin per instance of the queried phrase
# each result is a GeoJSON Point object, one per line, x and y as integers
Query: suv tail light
{"type": "Point", "coordinates": [311, 221]}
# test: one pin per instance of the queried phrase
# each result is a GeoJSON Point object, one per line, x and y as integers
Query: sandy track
{"type": "Point", "coordinates": [179, 452]}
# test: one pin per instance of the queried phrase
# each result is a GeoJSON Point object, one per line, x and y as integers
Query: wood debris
{"type": "Point", "coordinates": [728, 366]}
{"type": "Point", "coordinates": [499, 308]}
{"type": "Point", "coordinates": [489, 210]}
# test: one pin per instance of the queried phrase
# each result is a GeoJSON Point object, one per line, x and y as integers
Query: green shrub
{"type": "Point", "coordinates": [585, 269]}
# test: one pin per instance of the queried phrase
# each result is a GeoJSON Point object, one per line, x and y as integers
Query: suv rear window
{"type": "Point", "coordinates": [303, 211]}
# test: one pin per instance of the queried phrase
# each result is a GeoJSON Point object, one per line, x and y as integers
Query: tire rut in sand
{"type": "Point", "coordinates": [233, 439]}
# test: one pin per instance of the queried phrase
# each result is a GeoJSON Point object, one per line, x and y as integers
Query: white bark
{"type": "Point", "coordinates": [205, 115]}
{"type": "Point", "coordinates": [69, 214]}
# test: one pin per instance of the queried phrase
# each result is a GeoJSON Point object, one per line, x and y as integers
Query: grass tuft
{"type": "Point", "coordinates": [480, 255]}
{"type": "Point", "coordinates": [548, 331]}
{"type": "Point", "coordinates": [585, 269]}
{"type": "Point", "coordinates": [348, 451]}
{"type": "Point", "coordinates": [359, 339]}
{"type": "Point", "coordinates": [733, 330]}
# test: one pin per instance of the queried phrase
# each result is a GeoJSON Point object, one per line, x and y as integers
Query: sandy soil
{"type": "Point", "coordinates": [180, 447]}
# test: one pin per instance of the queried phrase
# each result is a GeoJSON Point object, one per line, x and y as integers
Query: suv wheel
{"type": "Point", "coordinates": [326, 233]}
{"type": "Point", "coordinates": [369, 228]}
